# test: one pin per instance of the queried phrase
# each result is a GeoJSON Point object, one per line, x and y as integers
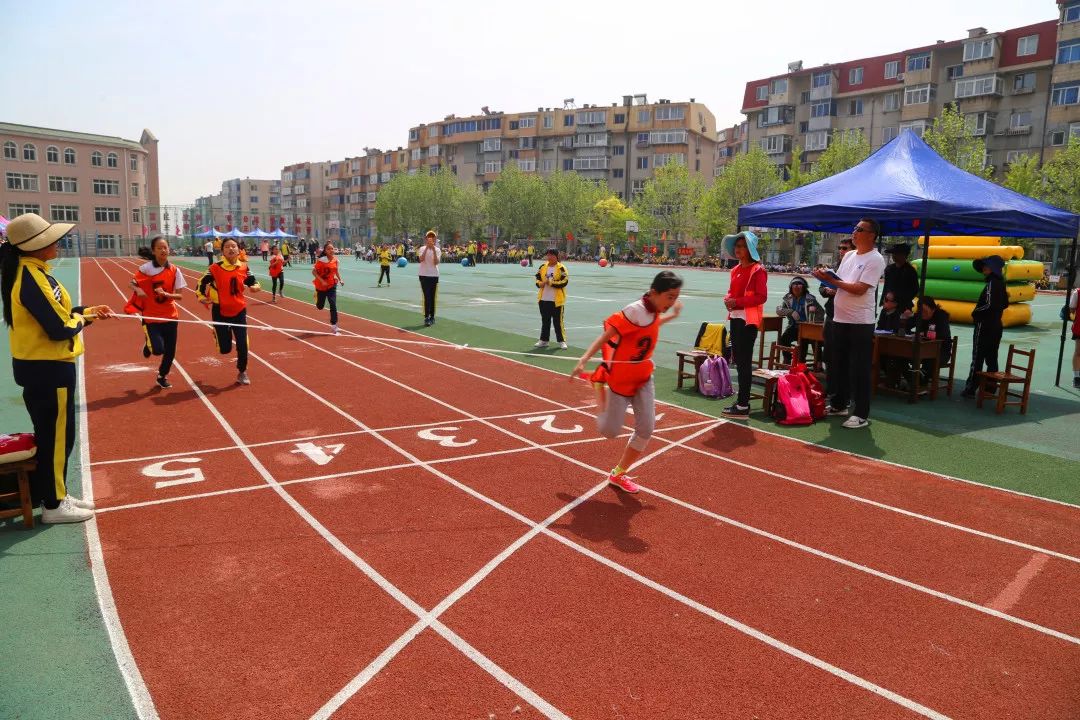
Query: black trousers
{"type": "Point", "coordinates": [788, 337]}
{"type": "Point", "coordinates": [52, 412]}
{"type": "Point", "coordinates": [830, 366]}
{"type": "Point", "coordinates": [986, 340]}
{"type": "Point", "coordinates": [225, 334]}
{"type": "Point", "coordinates": [277, 285]}
{"type": "Point", "coordinates": [322, 297]}
{"type": "Point", "coordinates": [384, 270]}
{"type": "Point", "coordinates": [430, 287]}
{"type": "Point", "coordinates": [209, 258]}
{"type": "Point", "coordinates": [743, 338]}
{"type": "Point", "coordinates": [551, 314]}
{"type": "Point", "coordinates": [852, 354]}
{"type": "Point", "coordinates": [161, 340]}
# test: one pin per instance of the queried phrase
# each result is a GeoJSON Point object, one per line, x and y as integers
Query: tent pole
{"type": "Point", "coordinates": [1070, 268]}
{"type": "Point", "coordinates": [920, 324]}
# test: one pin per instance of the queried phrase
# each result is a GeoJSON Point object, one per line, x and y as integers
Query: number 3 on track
{"type": "Point", "coordinates": [444, 440]}
{"type": "Point", "coordinates": [547, 422]}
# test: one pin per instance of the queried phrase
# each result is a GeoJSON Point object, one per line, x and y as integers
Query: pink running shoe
{"type": "Point", "coordinates": [624, 482]}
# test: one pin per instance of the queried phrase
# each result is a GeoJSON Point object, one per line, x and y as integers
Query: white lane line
{"type": "Point", "coordinates": [125, 661]}
{"type": "Point", "coordinates": [511, 683]}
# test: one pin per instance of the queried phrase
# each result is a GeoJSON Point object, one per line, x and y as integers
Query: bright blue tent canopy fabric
{"type": "Point", "coordinates": [235, 233]}
{"type": "Point", "coordinates": [906, 186]}
{"type": "Point", "coordinates": [279, 233]}
{"type": "Point", "coordinates": [211, 233]}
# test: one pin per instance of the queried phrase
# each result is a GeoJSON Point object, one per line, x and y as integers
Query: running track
{"type": "Point", "coordinates": [375, 529]}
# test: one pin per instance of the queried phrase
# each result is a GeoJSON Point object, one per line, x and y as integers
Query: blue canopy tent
{"type": "Point", "coordinates": [235, 233]}
{"type": "Point", "coordinates": [211, 233]}
{"type": "Point", "coordinates": [279, 233]}
{"type": "Point", "coordinates": [259, 233]}
{"type": "Point", "coordinates": [911, 190]}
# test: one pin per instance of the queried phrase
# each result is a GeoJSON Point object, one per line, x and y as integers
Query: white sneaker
{"type": "Point", "coordinates": [856, 422]}
{"type": "Point", "coordinates": [541, 343]}
{"type": "Point", "coordinates": [334, 329]}
{"type": "Point", "coordinates": [830, 410]}
{"type": "Point", "coordinates": [65, 513]}
{"type": "Point", "coordinates": [242, 379]}
{"type": "Point", "coordinates": [563, 346]}
{"type": "Point", "coordinates": [80, 503]}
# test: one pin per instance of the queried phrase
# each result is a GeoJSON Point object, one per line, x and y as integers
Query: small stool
{"type": "Point", "coordinates": [21, 469]}
{"type": "Point", "coordinates": [697, 357]}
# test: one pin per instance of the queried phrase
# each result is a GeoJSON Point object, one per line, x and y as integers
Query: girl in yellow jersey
{"type": "Point", "coordinates": [625, 377]}
{"type": "Point", "coordinates": [222, 288]}
{"type": "Point", "coordinates": [45, 333]}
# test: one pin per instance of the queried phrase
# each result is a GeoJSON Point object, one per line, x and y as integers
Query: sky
{"type": "Point", "coordinates": [241, 89]}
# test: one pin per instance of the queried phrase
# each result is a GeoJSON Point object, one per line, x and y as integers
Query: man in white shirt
{"type": "Point", "coordinates": [208, 248]}
{"type": "Point", "coordinates": [429, 257]}
{"type": "Point", "coordinates": [854, 315]}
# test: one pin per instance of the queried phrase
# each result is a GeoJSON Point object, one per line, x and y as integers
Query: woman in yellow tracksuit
{"type": "Point", "coordinates": [45, 333]}
{"type": "Point", "coordinates": [551, 279]}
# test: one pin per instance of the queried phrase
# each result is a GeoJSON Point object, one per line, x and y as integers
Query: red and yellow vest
{"type": "Point", "coordinates": [277, 263]}
{"type": "Point", "coordinates": [153, 306]}
{"type": "Point", "coordinates": [627, 363]}
{"type": "Point", "coordinates": [228, 285]}
{"type": "Point", "coordinates": [325, 271]}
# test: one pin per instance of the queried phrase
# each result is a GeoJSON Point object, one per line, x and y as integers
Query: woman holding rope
{"type": "Point", "coordinates": [157, 286]}
{"type": "Point", "coordinates": [45, 335]}
{"type": "Point", "coordinates": [327, 278]}
{"type": "Point", "coordinates": [222, 288]}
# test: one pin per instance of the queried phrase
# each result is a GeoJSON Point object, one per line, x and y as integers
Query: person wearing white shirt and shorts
{"type": "Point", "coordinates": [429, 256]}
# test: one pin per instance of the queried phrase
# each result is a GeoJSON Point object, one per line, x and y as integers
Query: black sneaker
{"type": "Point", "coordinates": [162, 382]}
{"type": "Point", "coordinates": [145, 351]}
{"type": "Point", "coordinates": [1076, 381]}
{"type": "Point", "coordinates": [737, 411]}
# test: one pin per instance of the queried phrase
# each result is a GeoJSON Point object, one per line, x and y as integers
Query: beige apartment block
{"type": "Point", "coordinates": [1001, 81]}
{"type": "Point", "coordinates": [363, 177]}
{"type": "Point", "coordinates": [730, 141]}
{"type": "Point", "coordinates": [98, 182]}
{"type": "Point", "coordinates": [1063, 118]}
{"type": "Point", "coordinates": [245, 203]}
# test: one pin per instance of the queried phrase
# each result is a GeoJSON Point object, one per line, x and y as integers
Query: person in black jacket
{"type": "Point", "coordinates": [935, 327]}
{"type": "Point", "coordinates": [901, 279]}
{"type": "Point", "coordinates": [987, 316]}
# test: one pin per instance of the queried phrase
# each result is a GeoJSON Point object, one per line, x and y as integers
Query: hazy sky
{"type": "Point", "coordinates": [240, 89]}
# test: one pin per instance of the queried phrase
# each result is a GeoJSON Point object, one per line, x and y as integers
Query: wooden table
{"type": "Point", "coordinates": [812, 332]}
{"type": "Point", "coordinates": [905, 347]}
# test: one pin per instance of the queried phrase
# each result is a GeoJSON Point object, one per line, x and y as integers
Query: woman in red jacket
{"type": "Point", "coordinates": [744, 301]}
{"type": "Point", "coordinates": [326, 281]}
{"type": "Point", "coordinates": [222, 287]}
{"type": "Point", "coordinates": [157, 286]}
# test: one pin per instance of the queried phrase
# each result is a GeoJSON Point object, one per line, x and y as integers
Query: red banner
{"type": "Point", "coordinates": [686, 251]}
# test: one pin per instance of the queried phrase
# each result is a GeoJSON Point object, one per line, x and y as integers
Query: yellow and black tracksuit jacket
{"type": "Point", "coordinates": [45, 332]}
{"type": "Point", "coordinates": [558, 281]}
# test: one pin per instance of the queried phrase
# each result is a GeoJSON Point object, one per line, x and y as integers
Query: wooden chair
{"type": "Point", "coordinates": [21, 469]}
{"type": "Point", "coordinates": [697, 357]}
{"type": "Point", "coordinates": [1017, 372]}
{"type": "Point", "coordinates": [700, 353]}
{"type": "Point", "coordinates": [945, 381]}
{"type": "Point", "coordinates": [776, 362]}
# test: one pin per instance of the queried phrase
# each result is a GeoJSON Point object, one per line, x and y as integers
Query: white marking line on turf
{"type": "Point", "coordinates": [125, 661]}
{"type": "Point", "coordinates": [511, 683]}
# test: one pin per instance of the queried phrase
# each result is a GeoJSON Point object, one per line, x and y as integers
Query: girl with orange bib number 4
{"type": "Point", "coordinates": [625, 376]}
{"type": "Point", "coordinates": [326, 281]}
{"type": "Point", "coordinates": [157, 285]}
{"type": "Point", "coordinates": [222, 288]}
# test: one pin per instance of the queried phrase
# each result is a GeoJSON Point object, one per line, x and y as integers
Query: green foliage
{"type": "Point", "coordinates": [471, 210]}
{"type": "Point", "coordinates": [1063, 177]}
{"type": "Point", "coordinates": [845, 151]}
{"type": "Point", "coordinates": [413, 204]}
{"type": "Point", "coordinates": [1024, 176]}
{"type": "Point", "coordinates": [796, 177]}
{"type": "Point", "coordinates": [569, 200]}
{"type": "Point", "coordinates": [747, 178]}
{"type": "Point", "coordinates": [952, 138]}
{"type": "Point", "coordinates": [607, 219]}
{"type": "Point", "coordinates": [517, 202]}
{"type": "Point", "coordinates": [670, 203]}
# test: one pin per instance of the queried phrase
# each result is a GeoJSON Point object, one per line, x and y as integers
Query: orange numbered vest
{"type": "Point", "coordinates": [277, 263]}
{"type": "Point", "coordinates": [153, 306]}
{"type": "Point", "coordinates": [230, 287]}
{"type": "Point", "coordinates": [627, 363]}
{"type": "Point", "coordinates": [325, 274]}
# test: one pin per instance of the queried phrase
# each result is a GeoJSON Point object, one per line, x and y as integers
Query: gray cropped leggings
{"type": "Point", "coordinates": [610, 422]}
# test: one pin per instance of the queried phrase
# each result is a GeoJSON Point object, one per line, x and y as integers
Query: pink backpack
{"type": "Point", "coordinates": [714, 378]}
{"type": "Point", "coordinates": [793, 400]}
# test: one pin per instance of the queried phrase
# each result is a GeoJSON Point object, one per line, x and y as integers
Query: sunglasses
{"type": "Point", "coordinates": [860, 228]}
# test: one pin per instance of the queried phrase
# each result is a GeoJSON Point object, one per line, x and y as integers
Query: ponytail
{"type": "Point", "coordinates": [9, 269]}
{"type": "Point", "coordinates": [145, 253]}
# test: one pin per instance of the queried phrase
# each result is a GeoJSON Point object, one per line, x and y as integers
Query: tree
{"type": "Point", "coordinates": [670, 201]}
{"type": "Point", "coordinates": [845, 151]}
{"type": "Point", "coordinates": [389, 209]}
{"type": "Point", "coordinates": [1024, 176]}
{"type": "Point", "coordinates": [747, 178]}
{"type": "Point", "coordinates": [952, 138]}
{"type": "Point", "coordinates": [1063, 177]}
{"type": "Point", "coordinates": [608, 217]}
{"type": "Point", "coordinates": [569, 199]}
{"type": "Point", "coordinates": [796, 177]}
{"type": "Point", "coordinates": [471, 211]}
{"type": "Point", "coordinates": [517, 202]}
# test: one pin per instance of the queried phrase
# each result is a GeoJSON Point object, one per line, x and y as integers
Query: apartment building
{"type": "Point", "coordinates": [100, 183]}
{"type": "Point", "coordinates": [244, 203]}
{"type": "Point", "coordinates": [1011, 87]}
{"type": "Point", "coordinates": [730, 142]}
{"type": "Point", "coordinates": [1063, 117]}
{"type": "Point", "coordinates": [302, 197]}
{"type": "Point", "coordinates": [365, 175]}
{"type": "Point", "coordinates": [620, 145]}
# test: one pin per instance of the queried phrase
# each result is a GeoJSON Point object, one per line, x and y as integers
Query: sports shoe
{"type": "Point", "coordinates": [145, 351]}
{"type": "Point", "coordinates": [541, 343]}
{"type": "Point", "coordinates": [334, 329]}
{"type": "Point", "coordinates": [737, 411]}
{"type": "Point", "coordinates": [855, 421]}
{"type": "Point", "coordinates": [67, 512]}
{"type": "Point", "coordinates": [80, 503]}
{"type": "Point", "coordinates": [242, 379]}
{"type": "Point", "coordinates": [624, 482]}
{"type": "Point", "coordinates": [427, 322]}
{"type": "Point", "coordinates": [842, 412]}
{"type": "Point", "coordinates": [1076, 381]}
{"type": "Point", "coordinates": [162, 382]}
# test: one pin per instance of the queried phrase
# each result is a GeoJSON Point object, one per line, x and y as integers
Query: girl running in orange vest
{"type": "Point", "coordinates": [157, 286]}
{"type": "Point", "coordinates": [628, 341]}
{"type": "Point", "coordinates": [277, 273]}
{"type": "Point", "coordinates": [222, 288]}
{"type": "Point", "coordinates": [326, 281]}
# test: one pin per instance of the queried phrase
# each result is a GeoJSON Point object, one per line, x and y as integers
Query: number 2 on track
{"type": "Point", "coordinates": [547, 422]}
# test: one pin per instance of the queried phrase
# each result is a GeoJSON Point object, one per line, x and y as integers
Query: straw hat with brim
{"type": "Point", "coordinates": [30, 232]}
{"type": "Point", "coordinates": [430, 233]}
{"type": "Point", "coordinates": [751, 244]}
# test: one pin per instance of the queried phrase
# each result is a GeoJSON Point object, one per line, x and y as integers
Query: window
{"type": "Point", "coordinates": [414, 134]}
{"type": "Point", "coordinates": [954, 71]}
{"type": "Point", "coordinates": [107, 242]}
{"type": "Point", "coordinates": [384, 177]}
{"type": "Point", "coordinates": [1028, 45]}
{"type": "Point", "coordinates": [254, 199]}
{"type": "Point", "coordinates": [1014, 155]}
{"type": "Point", "coordinates": [433, 150]}
{"type": "Point", "coordinates": [892, 102]}
{"type": "Point", "coordinates": [888, 134]}
{"type": "Point", "coordinates": [854, 76]}
{"type": "Point", "coordinates": [979, 123]}
{"type": "Point", "coordinates": [549, 122]}
{"type": "Point", "coordinates": [590, 163]}
{"type": "Point", "coordinates": [817, 140]}
{"type": "Point", "coordinates": [417, 154]}
{"type": "Point", "coordinates": [433, 131]}
{"type": "Point", "coordinates": [527, 122]}
{"type": "Point", "coordinates": [134, 190]}
{"type": "Point", "coordinates": [1068, 52]}
{"type": "Point", "coordinates": [69, 156]}
{"type": "Point", "coordinates": [776, 115]}
{"type": "Point", "coordinates": [567, 164]}
{"type": "Point", "coordinates": [892, 69]}
{"type": "Point", "coordinates": [981, 85]}
{"type": "Point", "coordinates": [804, 97]}
{"type": "Point", "coordinates": [919, 61]}
{"type": "Point", "coordinates": [821, 109]}
{"type": "Point", "coordinates": [59, 184]}
{"type": "Point", "coordinates": [591, 117]}
{"type": "Point", "coordinates": [16, 209]}
{"type": "Point", "coordinates": [568, 121]}
{"type": "Point", "coordinates": [29, 152]}
{"type": "Point", "coordinates": [916, 126]}
{"type": "Point", "coordinates": [644, 116]}
{"type": "Point", "coordinates": [820, 79]}
{"type": "Point", "coordinates": [762, 92]}
{"type": "Point", "coordinates": [779, 86]}
{"type": "Point", "coordinates": [1065, 94]}
{"type": "Point", "coordinates": [64, 213]}
{"type": "Point", "coordinates": [620, 118]}
{"type": "Point", "coordinates": [10, 151]}
{"type": "Point", "coordinates": [107, 187]}
{"type": "Point", "coordinates": [804, 127]}
{"type": "Point", "coordinates": [774, 144]}
{"type": "Point", "coordinates": [618, 149]}
{"type": "Point", "coordinates": [617, 173]}
{"type": "Point", "coordinates": [979, 49]}
{"type": "Point", "coordinates": [670, 112]}
{"type": "Point", "coordinates": [133, 160]}
{"type": "Point", "coordinates": [95, 158]}
{"type": "Point", "coordinates": [1072, 13]}
{"type": "Point", "coordinates": [1057, 138]}
{"type": "Point", "coordinates": [1024, 83]}
{"type": "Point", "coordinates": [668, 137]}
{"type": "Point", "coordinates": [112, 160]}
{"type": "Point", "coordinates": [22, 181]}
{"type": "Point", "coordinates": [135, 216]}
{"type": "Point", "coordinates": [917, 94]}
{"type": "Point", "coordinates": [52, 154]}
{"type": "Point", "coordinates": [1074, 129]}
{"type": "Point", "coordinates": [107, 214]}
{"type": "Point", "coordinates": [492, 144]}
{"type": "Point", "coordinates": [1020, 119]}
{"type": "Point", "coordinates": [669, 158]}
{"type": "Point", "coordinates": [492, 166]}
{"type": "Point", "coordinates": [526, 143]}
{"type": "Point", "coordinates": [643, 163]}
{"type": "Point", "coordinates": [855, 107]}
{"type": "Point", "coordinates": [549, 166]}
{"type": "Point", "coordinates": [527, 165]}
{"type": "Point", "coordinates": [637, 186]}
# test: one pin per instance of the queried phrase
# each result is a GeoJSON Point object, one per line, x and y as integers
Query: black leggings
{"type": "Point", "coordinates": [743, 337]}
{"type": "Point", "coordinates": [324, 296]}
{"type": "Point", "coordinates": [384, 270]}
{"type": "Point", "coordinates": [161, 340]}
{"type": "Point", "coordinates": [225, 334]}
{"type": "Point", "coordinates": [986, 340]}
{"type": "Point", "coordinates": [52, 411]}
{"type": "Point", "coordinates": [551, 314]}
{"type": "Point", "coordinates": [430, 287]}
{"type": "Point", "coordinates": [277, 285]}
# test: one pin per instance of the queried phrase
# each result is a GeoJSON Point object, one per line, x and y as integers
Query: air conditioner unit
{"type": "Point", "coordinates": [899, 77]}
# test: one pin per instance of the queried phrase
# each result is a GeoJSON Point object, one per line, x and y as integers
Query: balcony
{"type": "Point", "coordinates": [819, 123]}
{"type": "Point", "coordinates": [1014, 130]}
{"type": "Point", "coordinates": [822, 92]}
